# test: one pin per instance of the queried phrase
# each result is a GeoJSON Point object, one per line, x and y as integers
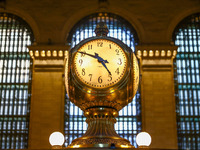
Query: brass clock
{"type": "Point", "coordinates": [100, 63]}
{"type": "Point", "coordinates": [101, 78]}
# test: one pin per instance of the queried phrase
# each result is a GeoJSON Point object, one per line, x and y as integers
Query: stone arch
{"type": "Point", "coordinates": [27, 18]}
{"type": "Point", "coordinates": [131, 18]}
{"type": "Point", "coordinates": [177, 19]}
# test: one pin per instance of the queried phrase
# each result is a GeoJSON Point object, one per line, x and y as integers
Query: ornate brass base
{"type": "Point", "coordinates": [100, 132]}
{"type": "Point", "coordinates": [100, 142]}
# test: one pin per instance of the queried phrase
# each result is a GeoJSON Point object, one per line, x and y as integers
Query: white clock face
{"type": "Point", "coordinates": [100, 63]}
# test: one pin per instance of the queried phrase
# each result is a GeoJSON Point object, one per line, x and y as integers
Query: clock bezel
{"type": "Point", "coordinates": [101, 90]}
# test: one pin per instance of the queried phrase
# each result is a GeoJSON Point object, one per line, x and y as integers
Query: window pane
{"type": "Point", "coordinates": [186, 36]}
{"type": "Point", "coordinates": [15, 79]}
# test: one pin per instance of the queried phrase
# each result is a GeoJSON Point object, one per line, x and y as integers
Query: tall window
{"type": "Point", "coordinates": [187, 82]}
{"type": "Point", "coordinates": [15, 79]}
{"type": "Point", "coordinates": [128, 123]}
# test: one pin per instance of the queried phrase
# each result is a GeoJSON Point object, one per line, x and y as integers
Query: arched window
{"type": "Point", "coordinates": [128, 123]}
{"type": "Point", "coordinates": [15, 80]}
{"type": "Point", "coordinates": [187, 81]}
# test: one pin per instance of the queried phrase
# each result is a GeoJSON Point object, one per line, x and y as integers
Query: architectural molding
{"type": "Point", "coordinates": [156, 57]}
{"type": "Point", "coordinates": [156, 51]}
{"type": "Point", "coordinates": [48, 52]}
{"type": "Point", "coordinates": [48, 58]}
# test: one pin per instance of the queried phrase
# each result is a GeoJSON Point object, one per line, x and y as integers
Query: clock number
{"type": "Point", "coordinates": [99, 44]}
{"type": "Point", "coordinates": [90, 75]}
{"type": "Point", "coordinates": [100, 79]}
{"type": "Point", "coordinates": [110, 46]}
{"type": "Point", "coordinates": [110, 78]}
{"type": "Point", "coordinates": [117, 52]}
{"type": "Point", "coordinates": [117, 71]}
{"type": "Point", "coordinates": [89, 47]}
{"type": "Point", "coordinates": [120, 61]}
{"type": "Point", "coordinates": [80, 61]}
{"type": "Point", "coordinates": [83, 71]}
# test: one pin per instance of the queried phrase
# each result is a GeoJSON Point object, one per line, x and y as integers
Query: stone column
{"type": "Point", "coordinates": [157, 94]}
{"type": "Point", "coordinates": [48, 94]}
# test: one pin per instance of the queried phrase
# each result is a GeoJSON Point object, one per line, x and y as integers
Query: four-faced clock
{"type": "Point", "coordinates": [100, 63]}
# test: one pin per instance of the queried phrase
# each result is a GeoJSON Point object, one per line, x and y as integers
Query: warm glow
{"type": "Point", "coordinates": [143, 139]}
{"type": "Point", "coordinates": [124, 146]}
{"type": "Point", "coordinates": [43, 53]}
{"type": "Point", "coordinates": [111, 91]}
{"type": "Point", "coordinates": [36, 53]}
{"type": "Point", "coordinates": [48, 53]}
{"type": "Point", "coordinates": [60, 53]}
{"type": "Point", "coordinates": [174, 53]}
{"type": "Point", "coordinates": [31, 53]}
{"type": "Point", "coordinates": [56, 139]}
{"type": "Point", "coordinates": [150, 53]}
{"type": "Point", "coordinates": [76, 146]}
{"type": "Point", "coordinates": [139, 53]}
{"type": "Point", "coordinates": [144, 53]}
{"type": "Point", "coordinates": [66, 53]}
{"type": "Point", "coordinates": [169, 53]}
{"type": "Point", "coordinates": [55, 53]}
{"type": "Point", "coordinates": [157, 53]}
{"type": "Point", "coordinates": [162, 53]}
{"type": "Point", "coordinates": [88, 91]}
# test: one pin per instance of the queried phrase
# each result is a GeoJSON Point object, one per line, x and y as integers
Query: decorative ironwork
{"type": "Point", "coordinates": [15, 80]}
{"type": "Point", "coordinates": [187, 81]}
{"type": "Point", "coordinates": [129, 120]}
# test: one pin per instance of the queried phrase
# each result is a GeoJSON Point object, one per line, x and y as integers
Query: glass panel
{"type": "Point", "coordinates": [129, 122]}
{"type": "Point", "coordinates": [15, 80]}
{"type": "Point", "coordinates": [186, 69]}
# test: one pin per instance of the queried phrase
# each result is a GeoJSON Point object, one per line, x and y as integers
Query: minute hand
{"type": "Point", "coordinates": [106, 67]}
{"type": "Point", "coordinates": [94, 56]}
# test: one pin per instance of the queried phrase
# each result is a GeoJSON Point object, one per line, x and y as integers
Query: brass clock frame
{"type": "Point", "coordinates": [106, 90]}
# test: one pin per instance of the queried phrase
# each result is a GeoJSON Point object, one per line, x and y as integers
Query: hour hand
{"type": "Point", "coordinates": [100, 59]}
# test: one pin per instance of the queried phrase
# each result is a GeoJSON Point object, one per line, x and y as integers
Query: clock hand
{"type": "Point", "coordinates": [100, 59]}
{"type": "Point", "coordinates": [95, 56]}
{"type": "Point", "coordinates": [106, 67]}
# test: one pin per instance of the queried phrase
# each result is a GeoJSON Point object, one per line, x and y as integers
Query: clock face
{"type": "Point", "coordinates": [100, 63]}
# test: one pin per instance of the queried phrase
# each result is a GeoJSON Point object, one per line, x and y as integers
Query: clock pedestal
{"type": "Point", "coordinates": [100, 132]}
